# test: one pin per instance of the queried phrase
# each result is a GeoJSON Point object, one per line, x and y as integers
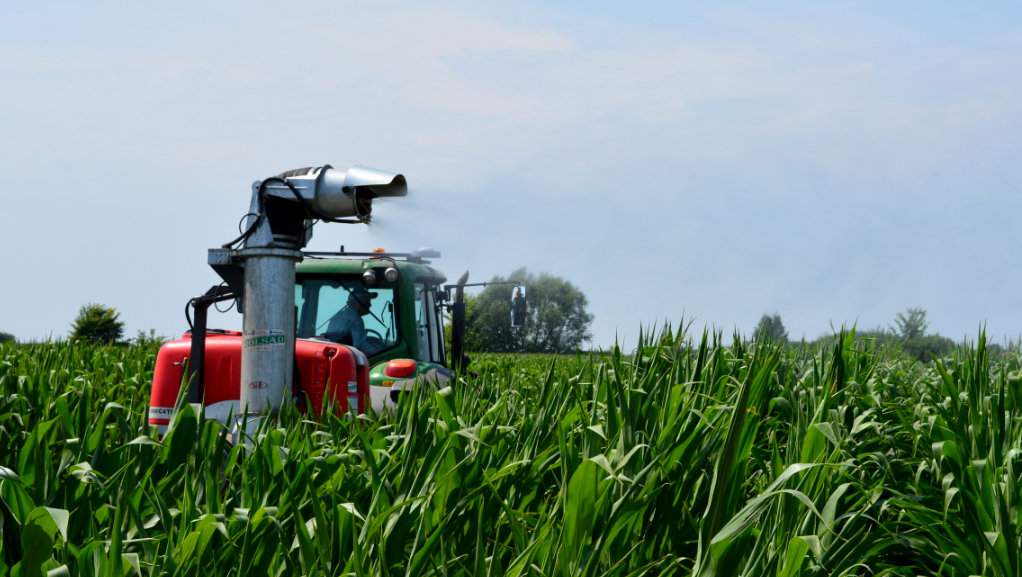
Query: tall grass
{"type": "Point", "coordinates": [688, 457]}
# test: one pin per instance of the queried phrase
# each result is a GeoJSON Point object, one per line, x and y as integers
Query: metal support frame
{"type": "Point", "coordinates": [420, 257]}
{"type": "Point", "coordinates": [197, 358]}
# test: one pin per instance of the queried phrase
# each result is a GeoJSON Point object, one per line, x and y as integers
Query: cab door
{"type": "Point", "coordinates": [428, 325]}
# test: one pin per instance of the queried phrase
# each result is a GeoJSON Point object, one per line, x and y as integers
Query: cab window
{"type": "Point", "coordinates": [329, 308]}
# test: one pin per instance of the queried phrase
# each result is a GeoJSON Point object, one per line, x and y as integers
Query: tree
{"type": "Point", "coordinates": [910, 324]}
{"type": "Point", "coordinates": [910, 327]}
{"type": "Point", "coordinates": [557, 321]}
{"type": "Point", "coordinates": [98, 324]}
{"type": "Point", "coordinates": [6, 337]}
{"type": "Point", "coordinates": [770, 328]}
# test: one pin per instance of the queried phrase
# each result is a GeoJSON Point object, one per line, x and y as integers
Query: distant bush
{"type": "Point", "coordinates": [6, 337]}
{"type": "Point", "coordinates": [98, 324]}
{"type": "Point", "coordinates": [878, 337]}
{"type": "Point", "coordinates": [770, 328]}
{"type": "Point", "coordinates": [927, 348]}
{"type": "Point", "coordinates": [150, 339]}
{"type": "Point", "coordinates": [922, 348]}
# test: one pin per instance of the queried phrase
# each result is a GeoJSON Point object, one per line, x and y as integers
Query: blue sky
{"type": "Point", "coordinates": [834, 163]}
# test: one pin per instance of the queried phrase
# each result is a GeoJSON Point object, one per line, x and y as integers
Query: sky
{"type": "Point", "coordinates": [834, 163]}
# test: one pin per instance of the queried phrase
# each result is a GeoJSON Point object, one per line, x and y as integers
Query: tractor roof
{"type": "Point", "coordinates": [417, 269]}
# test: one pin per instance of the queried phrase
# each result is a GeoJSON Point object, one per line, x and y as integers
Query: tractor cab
{"type": "Point", "coordinates": [397, 301]}
{"type": "Point", "coordinates": [388, 305]}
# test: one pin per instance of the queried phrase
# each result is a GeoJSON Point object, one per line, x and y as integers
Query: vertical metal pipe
{"type": "Point", "coordinates": [197, 359]}
{"type": "Point", "coordinates": [458, 329]}
{"type": "Point", "coordinates": [267, 353]}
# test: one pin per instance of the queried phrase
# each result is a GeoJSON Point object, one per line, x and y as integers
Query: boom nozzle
{"type": "Point", "coordinates": [334, 194]}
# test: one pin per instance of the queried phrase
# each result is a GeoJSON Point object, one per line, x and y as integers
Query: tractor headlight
{"type": "Point", "coordinates": [391, 274]}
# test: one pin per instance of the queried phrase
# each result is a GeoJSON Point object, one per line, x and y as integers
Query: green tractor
{"type": "Point", "coordinates": [401, 301]}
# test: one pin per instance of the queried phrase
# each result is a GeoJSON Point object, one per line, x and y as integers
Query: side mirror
{"type": "Point", "coordinates": [519, 307]}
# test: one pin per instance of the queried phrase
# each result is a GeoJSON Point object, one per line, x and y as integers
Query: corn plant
{"type": "Point", "coordinates": [689, 456]}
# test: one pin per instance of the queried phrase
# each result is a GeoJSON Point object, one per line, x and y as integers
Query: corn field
{"type": "Point", "coordinates": [686, 457]}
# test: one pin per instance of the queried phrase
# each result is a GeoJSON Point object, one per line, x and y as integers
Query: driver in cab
{"type": "Point", "coordinates": [347, 326]}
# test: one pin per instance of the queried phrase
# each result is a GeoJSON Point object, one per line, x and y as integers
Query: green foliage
{"type": "Point", "coordinates": [688, 457]}
{"type": "Point", "coordinates": [148, 339]}
{"type": "Point", "coordinates": [770, 328]}
{"type": "Point", "coordinates": [924, 349]}
{"type": "Point", "coordinates": [910, 324]}
{"type": "Point", "coordinates": [98, 324]}
{"type": "Point", "coordinates": [907, 336]}
{"type": "Point", "coordinates": [6, 338]}
{"type": "Point", "coordinates": [557, 322]}
{"type": "Point", "coordinates": [928, 348]}
{"type": "Point", "coordinates": [910, 327]}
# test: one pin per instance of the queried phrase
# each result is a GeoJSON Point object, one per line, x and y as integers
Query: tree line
{"type": "Point", "coordinates": [557, 321]}
{"type": "Point", "coordinates": [908, 331]}
{"type": "Point", "coordinates": [95, 323]}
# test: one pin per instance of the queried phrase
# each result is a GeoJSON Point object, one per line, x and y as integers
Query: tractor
{"type": "Point", "coordinates": [297, 344]}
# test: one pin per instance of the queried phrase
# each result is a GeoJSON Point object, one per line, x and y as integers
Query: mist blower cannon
{"type": "Point", "coordinates": [344, 331]}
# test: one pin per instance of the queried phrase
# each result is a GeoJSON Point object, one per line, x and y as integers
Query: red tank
{"type": "Point", "coordinates": [318, 364]}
